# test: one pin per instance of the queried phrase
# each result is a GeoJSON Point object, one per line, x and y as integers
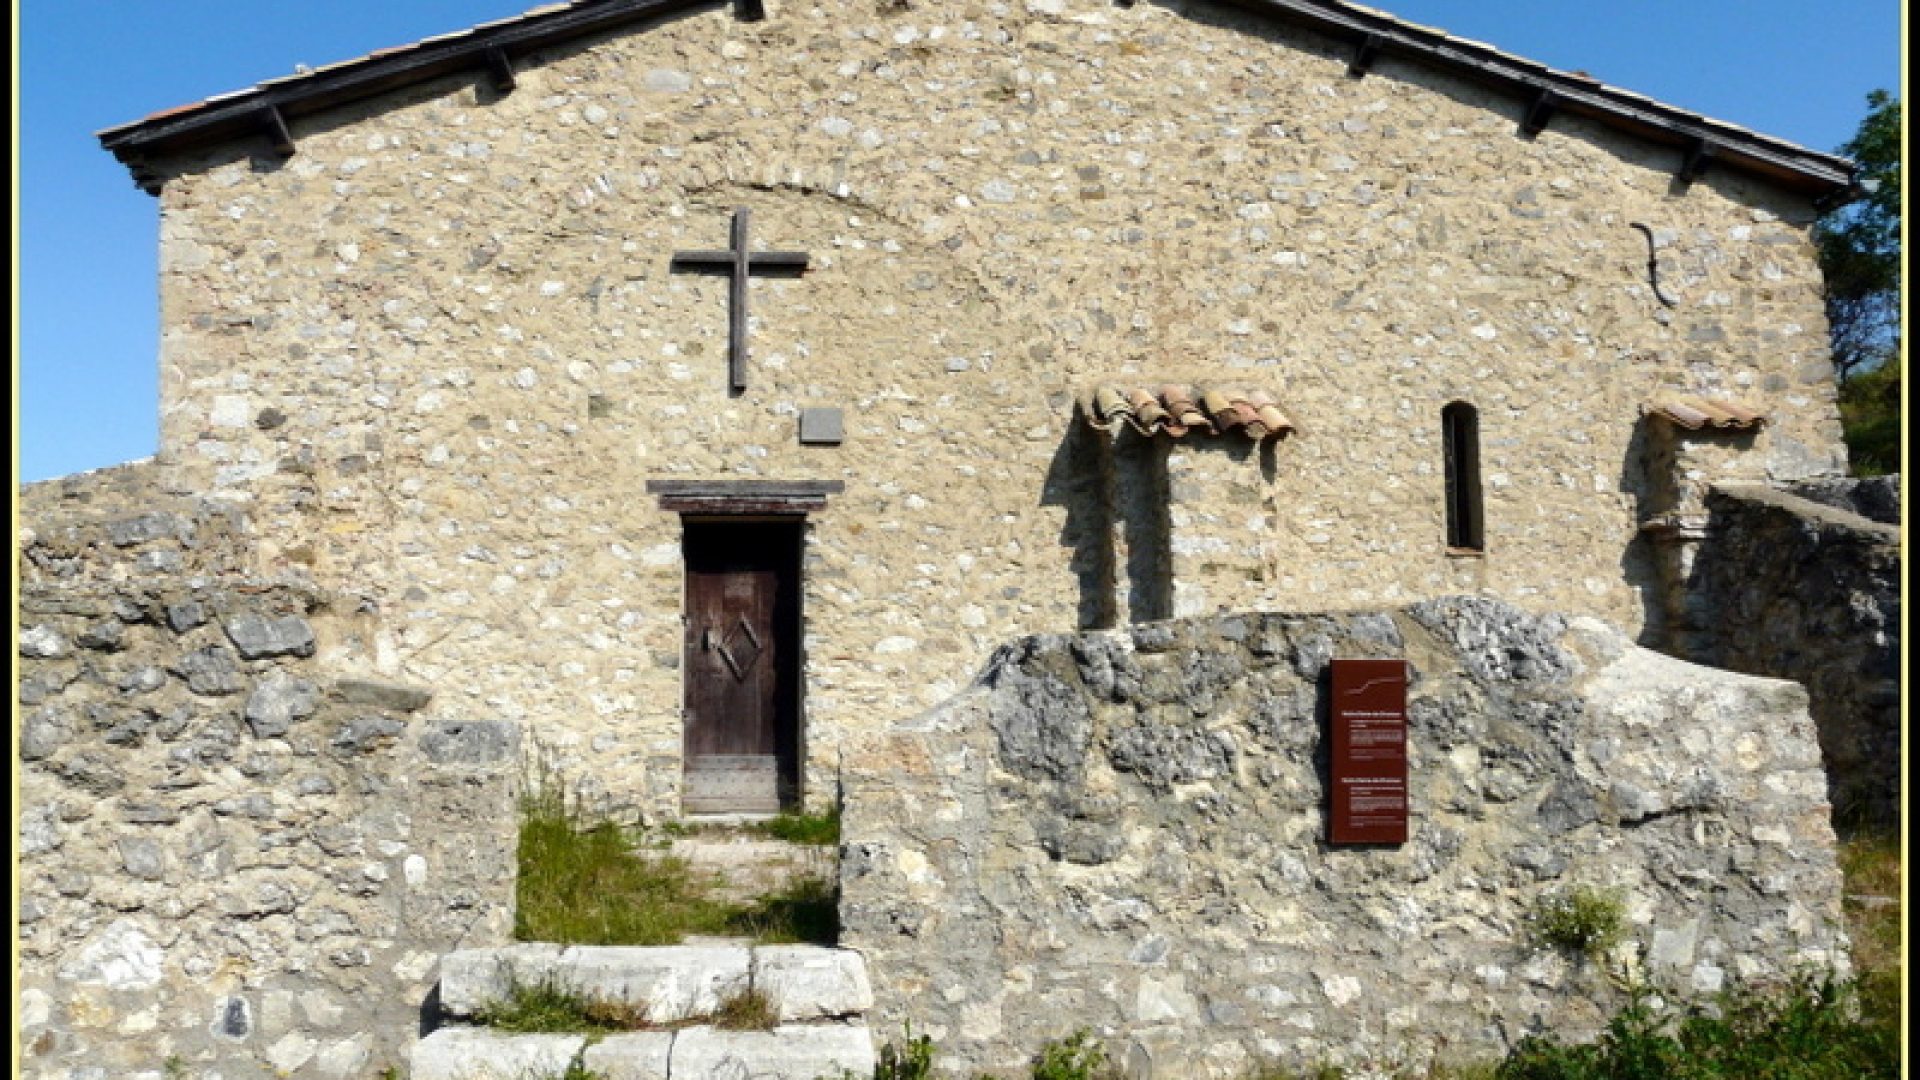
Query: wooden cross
{"type": "Point", "coordinates": [738, 262]}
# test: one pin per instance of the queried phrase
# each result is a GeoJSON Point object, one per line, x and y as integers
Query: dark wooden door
{"type": "Point", "coordinates": [742, 666]}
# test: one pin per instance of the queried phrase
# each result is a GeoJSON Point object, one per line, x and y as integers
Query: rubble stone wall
{"type": "Point", "coordinates": [1876, 498]}
{"type": "Point", "coordinates": [442, 349]}
{"type": "Point", "coordinates": [1794, 589]}
{"type": "Point", "coordinates": [236, 855]}
{"type": "Point", "coordinates": [1125, 831]}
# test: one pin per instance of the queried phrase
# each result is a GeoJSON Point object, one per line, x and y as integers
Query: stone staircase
{"type": "Point", "coordinates": [818, 998]}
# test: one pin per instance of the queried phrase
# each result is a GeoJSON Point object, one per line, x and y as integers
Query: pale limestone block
{"type": "Point", "coordinates": [807, 982]}
{"type": "Point", "coordinates": [640, 1055]}
{"type": "Point", "coordinates": [477, 1054]}
{"type": "Point", "coordinates": [792, 1052]}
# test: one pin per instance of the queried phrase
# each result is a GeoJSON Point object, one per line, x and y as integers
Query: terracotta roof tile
{"type": "Point", "coordinates": [1694, 413]}
{"type": "Point", "coordinates": [1175, 410]}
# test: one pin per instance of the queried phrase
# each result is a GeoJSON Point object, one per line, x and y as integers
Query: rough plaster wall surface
{"type": "Point", "coordinates": [1794, 589]}
{"type": "Point", "coordinates": [236, 855]}
{"type": "Point", "coordinates": [1125, 831]}
{"type": "Point", "coordinates": [440, 349]}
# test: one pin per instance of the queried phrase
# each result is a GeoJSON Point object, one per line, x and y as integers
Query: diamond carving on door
{"type": "Point", "coordinates": [738, 650]}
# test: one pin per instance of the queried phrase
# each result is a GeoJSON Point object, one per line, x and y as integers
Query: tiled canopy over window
{"type": "Point", "coordinates": [1176, 410]}
{"type": "Point", "coordinates": [1694, 413]}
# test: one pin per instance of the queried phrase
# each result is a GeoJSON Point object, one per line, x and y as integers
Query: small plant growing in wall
{"type": "Point", "coordinates": [1076, 1057]}
{"type": "Point", "coordinates": [746, 1010]}
{"type": "Point", "coordinates": [1580, 919]}
{"type": "Point", "coordinates": [908, 1060]}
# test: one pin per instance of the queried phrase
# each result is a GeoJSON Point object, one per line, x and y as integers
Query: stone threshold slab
{"type": "Point", "coordinates": [674, 984]}
{"type": "Point", "coordinates": [789, 1052]}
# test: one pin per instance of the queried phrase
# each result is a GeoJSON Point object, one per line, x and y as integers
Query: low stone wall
{"type": "Point", "coordinates": [236, 857]}
{"type": "Point", "coordinates": [1125, 831]}
{"type": "Point", "coordinates": [1876, 498]}
{"type": "Point", "coordinates": [1795, 589]}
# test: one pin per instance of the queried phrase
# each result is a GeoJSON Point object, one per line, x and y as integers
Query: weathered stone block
{"type": "Point", "coordinates": [364, 734]}
{"type": "Point", "coordinates": [458, 1053]}
{"type": "Point", "coordinates": [793, 1052]}
{"type": "Point", "coordinates": [258, 636]}
{"type": "Point", "coordinates": [212, 671]}
{"type": "Point", "coordinates": [807, 982]}
{"type": "Point", "coordinates": [473, 979]}
{"type": "Point", "coordinates": [40, 642]}
{"type": "Point", "coordinates": [640, 1055]}
{"type": "Point", "coordinates": [43, 732]}
{"type": "Point", "coordinates": [675, 983]}
{"type": "Point", "coordinates": [130, 532]}
{"type": "Point", "coordinates": [107, 635]}
{"type": "Point", "coordinates": [470, 742]}
{"type": "Point", "coordinates": [278, 700]}
{"type": "Point", "coordinates": [382, 695]}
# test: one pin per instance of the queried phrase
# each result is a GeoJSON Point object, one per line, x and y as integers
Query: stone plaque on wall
{"type": "Point", "coordinates": [1369, 753]}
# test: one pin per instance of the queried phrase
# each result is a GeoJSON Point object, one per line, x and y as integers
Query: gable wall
{"type": "Point", "coordinates": [441, 349]}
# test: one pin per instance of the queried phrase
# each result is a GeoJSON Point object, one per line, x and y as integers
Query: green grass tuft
{"type": "Point", "coordinates": [547, 1007]}
{"type": "Point", "coordinates": [822, 830]}
{"type": "Point", "coordinates": [581, 884]}
{"type": "Point", "coordinates": [747, 1010]}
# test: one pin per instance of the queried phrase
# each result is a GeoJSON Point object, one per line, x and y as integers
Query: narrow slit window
{"type": "Point", "coordinates": [1460, 431]}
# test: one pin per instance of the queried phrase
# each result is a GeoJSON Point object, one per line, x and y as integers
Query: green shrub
{"type": "Point", "coordinates": [1076, 1057]}
{"type": "Point", "coordinates": [1808, 1031]}
{"type": "Point", "coordinates": [1581, 919]}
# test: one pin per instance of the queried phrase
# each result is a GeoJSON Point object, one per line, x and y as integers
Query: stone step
{"type": "Point", "coordinates": [674, 984]}
{"type": "Point", "coordinates": [788, 1052]}
{"type": "Point", "coordinates": [745, 864]}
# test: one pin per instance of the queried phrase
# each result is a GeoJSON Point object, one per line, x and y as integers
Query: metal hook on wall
{"type": "Point", "coordinates": [1653, 265]}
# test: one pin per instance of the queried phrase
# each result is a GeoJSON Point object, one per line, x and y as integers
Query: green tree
{"type": "Point", "coordinates": [1859, 246]}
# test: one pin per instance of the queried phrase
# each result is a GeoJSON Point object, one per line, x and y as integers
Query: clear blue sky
{"type": "Point", "coordinates": [87, 318]}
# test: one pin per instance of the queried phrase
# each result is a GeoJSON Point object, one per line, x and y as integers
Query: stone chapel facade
{"type": "Point", "coordinates": [1078, 314]}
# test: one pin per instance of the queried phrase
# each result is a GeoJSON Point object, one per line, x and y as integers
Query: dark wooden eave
{"type": "Point", "coordinates": [491, 50]}
{"type": "Point", "coordinates": [1827, 178]}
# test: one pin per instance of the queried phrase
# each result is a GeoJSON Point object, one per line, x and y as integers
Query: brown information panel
{"type": "Point", "coordinates": [1369, 752]}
